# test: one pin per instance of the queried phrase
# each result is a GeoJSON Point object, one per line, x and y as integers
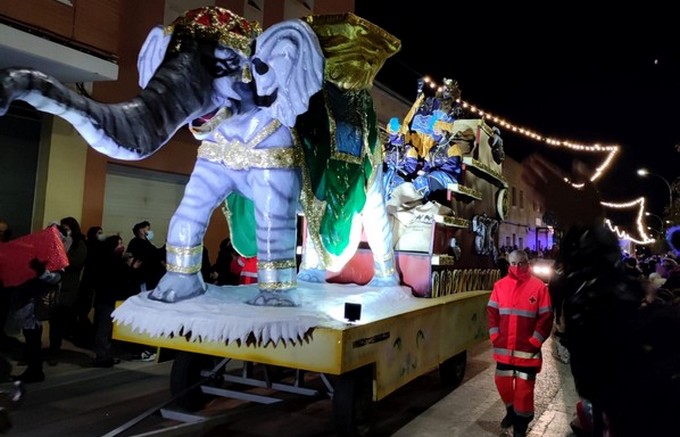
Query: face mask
{"type": "Point", "coordinates": [519, 272]}
{"type": "Point", "coordinates": [149, 235]}
{"type": "Point", "coordinates": [101, 237]}
{"type": "Point", "coordinates": [67, 242]}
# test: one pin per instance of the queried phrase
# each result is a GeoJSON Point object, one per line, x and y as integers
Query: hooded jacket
{"type": "Point", "coordinates": [520, 319]}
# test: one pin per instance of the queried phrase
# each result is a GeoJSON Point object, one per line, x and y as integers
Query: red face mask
{"type": "Point", "coordinates": [519, 272]}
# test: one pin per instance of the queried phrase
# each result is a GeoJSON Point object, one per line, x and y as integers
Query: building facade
{"type": "Point", "coordinates": [524, 227]}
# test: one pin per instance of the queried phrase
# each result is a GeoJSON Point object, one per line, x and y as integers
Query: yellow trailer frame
{"type": "Point", "coordinates": [400, 347]}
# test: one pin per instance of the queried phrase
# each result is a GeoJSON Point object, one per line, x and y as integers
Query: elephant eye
{"type": "Point", "coordinates": [226, 63]}
{"type": "Point", "coordinates": [225, 68]}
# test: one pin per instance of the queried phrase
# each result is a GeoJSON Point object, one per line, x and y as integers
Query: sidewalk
{"type": "Point", "coordinates": [474, 409]}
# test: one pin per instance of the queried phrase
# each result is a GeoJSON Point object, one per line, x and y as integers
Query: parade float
{"type": "Point", "coordinates": [397, 233]}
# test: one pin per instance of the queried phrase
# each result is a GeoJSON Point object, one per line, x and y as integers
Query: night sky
{"type": "Point", "coordinates": [565, 70]}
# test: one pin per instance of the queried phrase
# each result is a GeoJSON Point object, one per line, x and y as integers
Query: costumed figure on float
{"type": "Point", "coordinates": [285, 122]}
{"type": "Point", "coordinates": [401, 159]}
{"type": "Point", "coordinates": [423, 150]}
{"type": "Point", "coordinates": [432, 128]}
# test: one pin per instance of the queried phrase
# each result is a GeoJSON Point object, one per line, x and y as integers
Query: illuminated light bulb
{"type": "Point", "coordinates": [596, 147]}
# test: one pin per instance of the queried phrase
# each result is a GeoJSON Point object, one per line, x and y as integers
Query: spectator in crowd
{"type": "Point", "coordinates": [664, 267]}
{"type": "Point", "coordinates": [672, 283]}
{"type": "Point", "coordinates": [630, 264]}
{"type": "Point", "coordinates": [206, 267]}
{"type": "Point", "coordinates": [120, 280]}
{"type": "Point", "coordinates": [502, 263]}
{"type": "Point", "coordinates": [520, 318]}
{"type": "Point", "coordinates": [63, 321]}
{"type": "Point", "coordinates": [30, 313]}
{"type": "Point", "coordinates": [91, 278]}
{"type": "Point", "coordinates": [34, 298]}
{"type": "Point", "coordinates": [5, 340]}
{"type": "Point", "coordinates": [152, 257]}
{"type": "Point", "coordinates": [222, 269]}
{"type": "Point", "coordinates": [5, 231]}
{"type": "Point", "coordinates": [624, 355]}
{"type": "Point", "coordinates": [247, 269]}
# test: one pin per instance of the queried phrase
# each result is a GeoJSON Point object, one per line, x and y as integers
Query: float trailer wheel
{"type": "Point", "coordinates": [185, 377]}
{"type": "Point", "coordinates": [452, 370]}
{"type": "Point", "coordinates": [353, 402]}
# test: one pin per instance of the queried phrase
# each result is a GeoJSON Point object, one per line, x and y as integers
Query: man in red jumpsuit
{"type": "Point", "coordinates": [520, 320]}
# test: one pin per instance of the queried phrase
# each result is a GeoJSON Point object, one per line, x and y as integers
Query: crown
{"type": "Point", "coordinates": [216, 24]}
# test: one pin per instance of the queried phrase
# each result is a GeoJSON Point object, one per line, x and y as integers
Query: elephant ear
{"type": "Point", "coordinates": [288, 68]}
{"type": "Point", "coordinates": [152, 54]}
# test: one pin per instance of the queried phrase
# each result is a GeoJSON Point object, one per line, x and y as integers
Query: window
{"type": "Point", "coordinates": [521, 199]}
{"type": "Point", "coordinates": [521, 243]}
{"type": "Point", "coordinates": [514, 196]}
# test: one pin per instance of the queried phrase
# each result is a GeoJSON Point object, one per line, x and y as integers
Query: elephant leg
{"type": "Point", "coordinates": [311, 268]}
{"type": "Point", "coordinates": [277, 195]}
{"type": "Point", "coordinates": [379, 234]}
{"type": "Point", "coordinates": [208, 186]}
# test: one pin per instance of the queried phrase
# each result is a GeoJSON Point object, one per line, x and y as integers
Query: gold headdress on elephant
{"type": "Point", "coordinates": [216, 24]}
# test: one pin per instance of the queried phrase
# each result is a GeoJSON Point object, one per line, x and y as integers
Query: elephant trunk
{"type": "Point", "coordinates": [179, 91]}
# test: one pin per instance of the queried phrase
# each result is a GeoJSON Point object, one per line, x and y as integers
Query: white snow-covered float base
{"type": "Point", "coordinates": [222, 314]}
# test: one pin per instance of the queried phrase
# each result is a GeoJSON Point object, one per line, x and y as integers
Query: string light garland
{"type": "Point", "coordinates": [610, 152]}
{"type": "Point", "coordinates": [640, 203]}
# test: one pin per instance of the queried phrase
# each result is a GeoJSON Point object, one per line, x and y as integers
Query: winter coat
{"type": "Point", "coordinates": [520, 319]}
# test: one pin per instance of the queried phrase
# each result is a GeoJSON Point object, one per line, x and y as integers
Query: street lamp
{"type": "Point", "coordinates": [644, 172]}
{"type": "Point", "coordinates": [649, 214]}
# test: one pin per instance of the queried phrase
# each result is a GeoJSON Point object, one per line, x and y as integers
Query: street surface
{"type": "Point", "coordinates": [76, 400]}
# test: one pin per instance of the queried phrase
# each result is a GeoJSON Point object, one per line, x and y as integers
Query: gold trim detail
{"type": "Point", "coordinates": [276, 286]}
{"type": "Point", "coordinates": [263, 134]}
{"type": "Point", "coordinates": [466, 191]}
{"type": "Point", "coordinates": [181, 269]}
{"type": "Point", "coordinates": [211, 124]}
{"type": "Point", "coordinates": [277, 265]}
{"type": "Point", "coordinates": [479, 165]}
{"type": "Point", "coordinates": [454, 222]}
{"type": "Point", "coordinates": [238, 155]}
{"type": "Point", "coordinates": [442, 260]}
{"type": "Point", "coordinates": [184, 251]}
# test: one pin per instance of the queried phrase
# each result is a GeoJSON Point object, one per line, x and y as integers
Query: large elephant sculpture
{"type": "Point", "coordinates": [285, 122]}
